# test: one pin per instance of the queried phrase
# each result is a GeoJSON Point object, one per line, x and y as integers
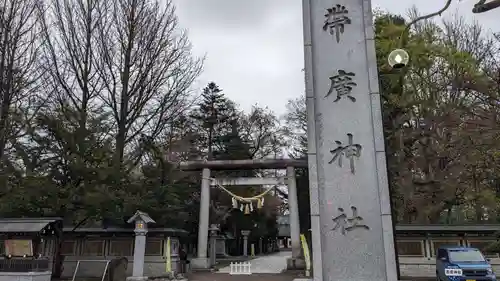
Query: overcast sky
{"type": "Point", "coordinates": [254, 48]}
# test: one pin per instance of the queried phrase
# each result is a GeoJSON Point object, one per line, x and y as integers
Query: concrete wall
{"type": "Point", "coordinates": [420, 264]}
{"type": "Point", "coordinates": [413, 266]}
{"type": "Point", "coordinates": [94, 267]}
{"type": "Point", "coordinates": [25, 276]}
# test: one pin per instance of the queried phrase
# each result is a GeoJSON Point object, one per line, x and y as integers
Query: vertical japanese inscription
{"type": "Point", "coordinates": [349, 151]}
{"type": "Point", "coordinates": [335, 20]}
{"type": "Point", "coordinates": [343, 84]}
{"type": "Point", "coordinates": [346, 224]}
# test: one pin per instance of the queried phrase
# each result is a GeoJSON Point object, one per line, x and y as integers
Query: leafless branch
{"type": "Point", "coordinates": [19, 49]}
{"type": "Point", "coordinates": [145, 62]}
{"type": "Point", "coordinates": [404, 34]}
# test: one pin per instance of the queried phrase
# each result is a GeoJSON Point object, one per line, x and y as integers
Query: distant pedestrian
{"type": "Point", "coordinates": [183, 257]}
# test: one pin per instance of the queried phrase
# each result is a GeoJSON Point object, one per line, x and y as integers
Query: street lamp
{"type": "Point", "coordinates": [398, 58]}
{"type": "Point", "coordinates": [485, 6]}
{"type": "Point", "coordinates": [480, 7]}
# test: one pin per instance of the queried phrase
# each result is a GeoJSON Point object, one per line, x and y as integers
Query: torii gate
{"type": "Point", "coordinates": [202, 261]}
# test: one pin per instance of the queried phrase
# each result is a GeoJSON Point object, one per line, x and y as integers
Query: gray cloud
{"type": "Point", "coordinates": [254, 48]}
{"type": "Point", "coordinates": [234, 15]}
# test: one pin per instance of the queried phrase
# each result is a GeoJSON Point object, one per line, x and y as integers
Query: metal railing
{"type": "Point", "coordinates": [79, 262]}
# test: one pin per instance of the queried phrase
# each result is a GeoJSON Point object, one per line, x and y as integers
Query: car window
{"type": "Point", "coordinates": [442, 253]}
{"type": "Point", "coordinates": [466, 255]}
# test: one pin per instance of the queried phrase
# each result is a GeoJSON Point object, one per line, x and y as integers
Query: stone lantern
{"type": "Point", "coordinates": [141, 220]}
{"type": "Point", "coordinates": [245, 234]}
{"type": "Point", "coordinates": [213, 243]}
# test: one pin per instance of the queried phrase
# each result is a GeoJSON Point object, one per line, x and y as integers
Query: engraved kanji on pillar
{"type": "Point", "coordinates": [346, 224]}
{"type": "Point", "coordinates": [350, 151]}
{"type": "Point", "coordinates": [336, 18]}
{"type": "Point", "coordinates": [343, 84]}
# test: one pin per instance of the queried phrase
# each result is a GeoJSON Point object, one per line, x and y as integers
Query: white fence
{"type": "Point", "coordinates": [240, 268]}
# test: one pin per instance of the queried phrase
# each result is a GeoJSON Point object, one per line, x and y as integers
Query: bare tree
{"type": "Point", "coordinates": [295, 128]}
{"type": "Point", "coordinates": [259, 129]}
{"type": "Point", "coordinates": [19, 49]}
{"type": "Point", "coordinates": [70, 31]}
{"type": "Point", "coordinates": [145, 62]}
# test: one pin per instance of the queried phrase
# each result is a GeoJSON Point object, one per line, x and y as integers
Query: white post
{"type": "Point", "coordinates": [240, 268]}
{"type": "Point", "coordinates": [294, 211]}
{"type": "Point", "coordinates": [141, 221]}
{"type": "Point", "coordinates": [139, 251]}
{"type": "Point", "coordinates": [201, 261]}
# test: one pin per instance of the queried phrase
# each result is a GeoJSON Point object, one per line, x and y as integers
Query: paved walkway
{"type": "Point", "coordinates": [254, 277]}
{"type": "Point", "coordinates": [272, 264]}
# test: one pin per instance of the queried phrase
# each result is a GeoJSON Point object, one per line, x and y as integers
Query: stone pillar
{"type": "Point", "coordinates": [139, 252]}
{"type": "Point", "coordinates": [317, 263]}
{"type": "Point", "coordinates": [350, 204]}
{"type": "Point", "coordinates": [296, 261]}
{"type": "Point", "coordinates": [293, 207]}
{"type": "Point", "coordinates": [213, 244]}
{"type": "Point", "coordinates": [141, 220]}
{"type": "Point", "coordinates": [245, 234]}
{"type": "Point", "coordinates": [201, 261]}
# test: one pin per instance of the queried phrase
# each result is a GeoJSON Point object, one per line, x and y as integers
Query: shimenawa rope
{"type": "Point", "coordinates": [247, 201]}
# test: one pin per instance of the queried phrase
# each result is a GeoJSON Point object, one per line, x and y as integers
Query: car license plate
{"type": "Point", "coordinates": [471, 280]}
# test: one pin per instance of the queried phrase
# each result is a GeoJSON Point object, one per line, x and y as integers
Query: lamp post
{"type": "Point", "coordinates": [213, 243]}
{"type": "Point", "coordinates": [480, 7]}
{"type": "Point", "coordinates": [141, 220]}
{"type": "Point", "coordinates": [485, 6]}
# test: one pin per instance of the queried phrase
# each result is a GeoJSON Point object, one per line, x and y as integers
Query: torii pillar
{"type": "Point", "coordinates": [202, 261]}
{"type": "Point", "coordinates": [296, 262]}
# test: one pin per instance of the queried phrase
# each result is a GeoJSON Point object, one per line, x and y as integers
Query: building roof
{"type": "Point", "coordinates": [248, 164]}
{"type": "Point", "coordinates": [283, 223]}
{"type": "Point", "coordinates": [25, 225]}
{"type": "Point", "coordinates": [448, 228]}
{"type": "Point", "coordinates": [35, 225]}
{"type": "Point", "coordinates": [100, 230]}
{"type": "Point", "coordinates": [141, 216]}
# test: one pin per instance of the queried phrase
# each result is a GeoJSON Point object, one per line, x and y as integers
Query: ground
{"type": "Point", "coordinates": [270, 264]}
{"type": "Point", "coordinates": [208, 276]}
{"type": "Point", "coordinates": [265, 268]}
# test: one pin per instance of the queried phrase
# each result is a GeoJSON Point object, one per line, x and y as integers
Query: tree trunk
{"type": "Point", "coordinates": [448, 215]}
{"type": "Point", "coordinates": [477, 204]}
{"type": "Point", "coordinates": [210, 155]}
{"type": "Point", "coordinates": [4, 120]}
